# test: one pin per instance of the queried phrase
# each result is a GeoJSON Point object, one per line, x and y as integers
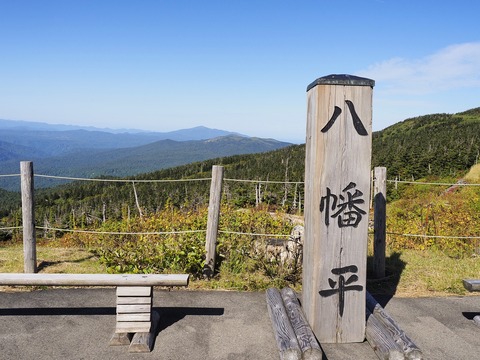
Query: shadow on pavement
{"type": "Point", "coordinates": [384, 289]}
{"type": "Point", "coordinates": [170, 315]}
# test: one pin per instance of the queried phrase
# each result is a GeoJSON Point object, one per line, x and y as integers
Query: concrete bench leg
{"type": "Point", "coordinates": [134, 316]}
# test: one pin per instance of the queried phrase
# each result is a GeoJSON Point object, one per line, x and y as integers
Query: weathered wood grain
{"type": "Point", "coordinates": [471, 284]}
{"type": "Point", "coordinates": [120, 339]}
{"type": "Point", "coordinates": [143, 308]}
{"type": "Point", "coordinates": [94, 279]}
{"type": "Point", "coordinates": [337, 193]}
{"type": "Point", "coordinates": [134, 291]}
{"type": "Point", "coordinates": [409, 348]}
{"type": "Point", "coordinates": [380, 339]}
{"type": "Point", "coordinates": [134, 317]}
{"type": "Point", "coordinates": [132, 300]}
{"type": "Point", "coordinates": [132, 326]}
{"type": "Point", "coordinates": [28, 217]}
{"type": "Point", "coordinates": [306, 339]}
{"type": "Point", "coordinates": [380, 221]}
{"type": "Point", "coordinates": [287, 343]}
{"type": "Point", "coordinates": [213, 220]}
{"type": "Point", "coordinates": [143, 341]}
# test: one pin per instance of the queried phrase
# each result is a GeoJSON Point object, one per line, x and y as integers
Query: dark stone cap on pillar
{"type": "Point", "coordinates": [342, 79]}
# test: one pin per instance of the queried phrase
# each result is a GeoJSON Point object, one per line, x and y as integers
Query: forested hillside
{"type": "Point", "coordinates": [436, 145]}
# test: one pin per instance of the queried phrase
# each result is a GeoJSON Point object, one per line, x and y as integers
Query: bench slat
{"type": "Point", "coordinates": [94, 279]}
{"type": "Point", "coordinates": [124, 309]}
{"type": "Point", "coordinates": [133, 327]}
{"type": "Point", "coordinates": [126, 300]}
{"type": "Point", "coordinates": [134, 291]}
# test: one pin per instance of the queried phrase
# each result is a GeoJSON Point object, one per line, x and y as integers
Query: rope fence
{"type": "Point", "coordinates": [435, 236]}
{"type": "Point", "coordinates": [225, 179]}
{"type": "Point", "coordinates": [9, 175]}
{"type": "Point", "coordinates": [10, 228]}
{"type": "Point", "coordinates": [265, 181]}
{"type": "Point", "coordinates": [431, 183]}
{"type": "Point", "coordinates": [47, 228]}
{"type": "Point", "coordinates": [220, 231]}
{"type": "Point", "coordinates": [120, 180]}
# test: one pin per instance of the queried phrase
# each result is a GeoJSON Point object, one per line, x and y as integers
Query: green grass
{"type": "Point", "coordinates": [416, 273]}
{"type": "Point", "coordinates": [409, 273]}
{"type": "Point", "coordinates": [51, 260]}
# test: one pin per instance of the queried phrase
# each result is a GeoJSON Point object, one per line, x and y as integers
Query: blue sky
{"type": "Point", "coordinates": [235, 65]}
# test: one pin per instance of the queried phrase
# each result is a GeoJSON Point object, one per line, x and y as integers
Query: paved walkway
{"type": "Point", "coordinates": [223, 325]}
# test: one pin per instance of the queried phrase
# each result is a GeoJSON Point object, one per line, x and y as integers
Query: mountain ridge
{"type": "Point", "coordinates": [78, 151]}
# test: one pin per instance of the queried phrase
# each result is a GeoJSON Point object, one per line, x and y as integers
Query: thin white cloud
{"type": "Point", "coordinates": [454, 67]}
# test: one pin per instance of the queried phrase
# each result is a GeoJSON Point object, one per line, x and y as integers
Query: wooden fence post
{"type": "Point", "coordinates": [213, 218]}
{"type": "Point", "coordinates": [337, 195]}
{"type": "Point", "coordinates": [28, 217]}
{"type": "Point", "coordinates": [379, 221]}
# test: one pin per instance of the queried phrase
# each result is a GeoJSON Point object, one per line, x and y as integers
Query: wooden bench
{"type": "Point", "coordinates": [473, 285]}
{"type": "Point", "coordinates": [136, 323]}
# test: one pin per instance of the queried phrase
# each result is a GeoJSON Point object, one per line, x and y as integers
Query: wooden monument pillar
{"type": "Point", "coordinates": [337, 193]}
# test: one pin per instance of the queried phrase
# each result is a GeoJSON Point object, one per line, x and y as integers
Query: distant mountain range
{"type": "Point", "coordinates": [66, 150]}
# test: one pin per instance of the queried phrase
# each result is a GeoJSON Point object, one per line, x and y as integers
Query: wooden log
{"type": "Point", "coordinates": [28, 217]}
{"type": "Point", "coordinates": [337, 194]}
{"type": "Point", "coordinates": [471, 285]}
{"type": "Point", "coordinates": [381, 340]}
{"type": "Point", "coordinates": [213, 220]}
{"type": "Point", "coordinates": [143, 341]}
{"type": "Point", "coordinates": [410, 350]}
{"type": "Point", "coordinates": [380, 221]}
{"type": "Point", "coordinates": [287, 343]}
{"type": "Point", "coordinates": [306, 339]}
{"type": "Point", "coordinates": [120, 339]}
{"type": "Point", "coordinates": [94, 279]}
